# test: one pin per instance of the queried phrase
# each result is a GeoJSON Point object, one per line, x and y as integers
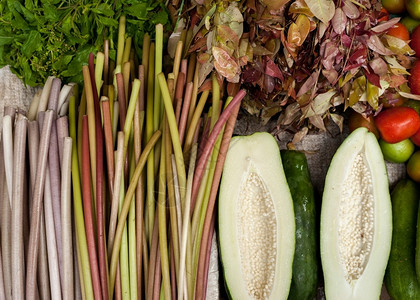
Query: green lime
{"type": "Point", "coordinates": [398, 152]}
{"type": "Point", "coordinates": [414, 104]}
{"type": "Point", "coordinates": [413, 166]}
{"type": "Point", "coordinates": [413, 8]}
{"type": "Point", "coordinates": [410, 23]}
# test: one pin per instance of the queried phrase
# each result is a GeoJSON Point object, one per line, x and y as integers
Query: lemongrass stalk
{"type": "Point", "coordinates": [18, 266]}
{"type": "Point", "coordinates": [119, 161]}
{"type": "Point", "coordinates": [215, 91]}
{"type": "Point", "coordinates": [126, 206]}
{"type": "Point", "coordinates": [194, 121]}
{"type": "Point", "coordinates": [82, 112]}
{"type": "Point", "coordinates": [184, 67]}
{"type": "Point", "coordinates": [111, 96]}
{"type": "Point", "coordinates": [132, 249]}
{"type": "Point", "coordinates": [209, 220]}
{"type": "Point", "coordinates": [118, 293]}
{"type": "Point", "coordinates": [53, 264]}
{"type": "Point", "coordinates": [62, 97]}
{"type": "Point", "coordinates": [210, 142]}
{"type": "Point", "coordinates": [86, 285]}
{"type": "Point", "coordinates": [78, 271]}
{"type": "Point", "coordinates": [99, 183]}
{"type": "Point", "coordinates": [185, 109]}
{"type": "Point", "coordinates": [171, 199]}
{"type": "Point", "coordinates": [150, 176]}
{"type": "Point", "coordinates": [145, 55]}
{"type": "Point", "coordinates": [179, 157]}
{"type": "Point", "coordinates": [177, 60]}
{"type": "Point", "coordinates": [88, 211]}
{"type": "Point", "coordinates": [191, 67]}
{"type": "Point", "coordinates": [201, 209]}
{"type": "Point", "coordinates": [106, 67]}
{"type": "Point", "coordinates": [179, 93]}
{"type": "Point", "coordinates": [157, 284]}
{"type": "Point", "coordinates": [32, 256]}
{"type": "Point", "coordinates": [126, 76]}
{"type": "Point", "coordinates": [45, 95]}
{"type": "Point", "coordinates": [62, 125]}
{"type": "Point", "coordinates": [124, 265]}
{"type": "Point", "coordinates": [68, 283]}
{"type": "Point", "coordinates": [198, 204]}
{"type": "Point", "coordinates": [158, 109]}
{"type": "Point", "coordinates": [127, 50]}
{"type": "Point", "coordinates": [6, 214]}
{"type": "Point", "coordinates": [171, 86]}
{"type": "Point", "coordinates": [2, 287]}
{"type": "Point", "coordinates": [43, 274]}
{"type": "Point", "coordinates": [99, 68]}
{"type": "Point", "coordinates": [163, 243]}
{"type": "Point", "coordinates": [108, 142]}
{"type": "Point", "coordinates": [130, 112]}
{"type": "Point", "coordinates": [121, 40]}
{"type": "Point", "coordinates": [121, 98]}
{"type": "Point", "coordinates": [186, 228]}
{"type": "Point", "coordinates": [8, 154]}
{"type": "Point", "coordinates": [154, 257]}
{"type": "Point", "coordinates": [33, 106]}
{"type": "Point", "coordinates": [55, 192]}
{"type": "Point", "coordinates": [145, 252]}
{"type": "Point", "coordinates": [116, 113]}
{"type": "Point", "coordinates": [178, 204]}
{"type": "Point", "coordinates": [92, 128]}
{"type": "Point", "coordinates": [139, 211]}
{"type": "Point", "coordinates": [194, 95]}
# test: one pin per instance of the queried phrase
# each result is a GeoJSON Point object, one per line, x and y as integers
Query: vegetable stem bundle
{"type": "Point", "coordinates": [123, 179]}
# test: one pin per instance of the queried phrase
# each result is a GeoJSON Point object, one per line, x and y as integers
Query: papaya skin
{"type": "Point", "coordinates": [401, 278]}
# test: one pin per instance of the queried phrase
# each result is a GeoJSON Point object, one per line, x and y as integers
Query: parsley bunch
{"type": "Point", "coordinates": [41, 38]}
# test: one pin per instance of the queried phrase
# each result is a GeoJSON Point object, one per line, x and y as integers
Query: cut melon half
{"type": "Point", "coordinates": [356, 220]}
{"type": "Point", "coordinates": [256, 220]}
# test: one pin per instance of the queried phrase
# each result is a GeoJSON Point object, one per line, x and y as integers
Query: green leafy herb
{"type": "Point", "coordinates": [40, 38]}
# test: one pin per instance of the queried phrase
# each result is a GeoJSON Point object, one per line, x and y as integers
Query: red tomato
{"type": "Point", "coordinates": [414, 78]}
{"type": "Point", "coordinates": [415, 41]}
{"type": "Point", "coordinates": [416, 138]}
{"type": "Point", "coordinates": [397, 123]}
{"type": "Point", "coordinates": [399, 31]}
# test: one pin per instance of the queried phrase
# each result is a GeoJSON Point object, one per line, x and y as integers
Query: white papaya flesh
{"type": "Point", "coordinates": [356, 220]}
{"type": "Point", "coordinates": [256, 220]}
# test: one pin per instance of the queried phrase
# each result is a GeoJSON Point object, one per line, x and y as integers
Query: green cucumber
{"type": "Point", "coordinates": [305, 263]}
{"type": "Point", "coordinates": [401, 279]}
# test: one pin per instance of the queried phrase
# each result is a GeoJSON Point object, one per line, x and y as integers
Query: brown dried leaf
{"type": "Point", "coordinates": [339, 21]}
{"type": "Point", "coordinates": [339, 120]}
{"type": "Point", "coordinates": [318, 122]}
{"type": "Point", "coordinates": [300, 7]}
{"type": "Point", "coordinates": [372, 95]}
{"type": "Point", "coordinates": [358, 88]}
{"type": "Point", "coordinates": [324, 10]}
{"type": "Point", "coordinates": [300, 135]}
{"type": "Point", "coordinates": [309, 84]}
{"type": "Point", "coordinates": [225, 64]}
{"type": "Point", "coordinates": [379, 66]}
{"type": "Point", "coordinates": [375, 44]}
{"type": "Point", "coordinates": [384, 26]}
{"type": "Point", "coordinates": [398, 46]}
{"type": "Point", "coordinates": [351, 10]}
{"type": "Point", "coordinates": [304, 26]}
